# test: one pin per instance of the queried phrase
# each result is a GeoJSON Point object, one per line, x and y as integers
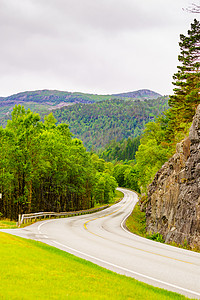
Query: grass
{"type": "Point", "coordinates": [32, 270]}
{"type": "Point", "coordinates": [7, 224]}
{"type": "Point", "coordinates": [136, 222]}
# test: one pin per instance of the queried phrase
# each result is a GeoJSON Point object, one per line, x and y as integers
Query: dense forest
{"type": "Point", "coordinates": [99, 123]}
{"type": "Point", "coordinates": [124, 150]}
{"type": "Point", "coordinates": [43, 169]}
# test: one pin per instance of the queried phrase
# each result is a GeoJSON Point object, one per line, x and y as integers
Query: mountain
{"type": "Point", "coordinates": [141, 94]}
{"type": "Point", "coordinates": [53, 96]}
{"type": "Point", "coordinates": [43, 101]}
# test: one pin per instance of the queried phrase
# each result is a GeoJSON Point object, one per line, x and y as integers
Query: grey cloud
{"type": "Point", "coordinates": [62, 16]}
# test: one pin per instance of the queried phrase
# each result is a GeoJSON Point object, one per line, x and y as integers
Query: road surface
{"type": "Point", "coordinates": [103, 239]}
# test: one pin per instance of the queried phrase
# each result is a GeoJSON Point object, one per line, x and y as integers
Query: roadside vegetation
{"type": "Point", "coordinates": [32, 270]}
{"type": "Point", "coordinates": [7, 224]}
{"type": "Point", "coordinates": [136, 223]}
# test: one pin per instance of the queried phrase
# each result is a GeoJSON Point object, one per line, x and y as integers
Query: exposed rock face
{"type": "Point", "coordinates": [173, 207]}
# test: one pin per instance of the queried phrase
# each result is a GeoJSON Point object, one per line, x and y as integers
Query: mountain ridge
{"type": "Point", "coordinates": [56, 95]}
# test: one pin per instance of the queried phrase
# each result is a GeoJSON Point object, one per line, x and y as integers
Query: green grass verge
{"type": "Point", "coordinates": [136, 222]}
{"type": "Point", "coordinates": [7, 224]}
{"type": "Point", "coordinates": [32, 270]}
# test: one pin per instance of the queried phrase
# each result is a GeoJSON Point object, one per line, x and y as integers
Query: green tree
{"type": "Point", "coordinates": [149, 159]}
{"type": "Point", "coordinates": [105, 186]}
{"type": "Point", "coordinates": [187, 81]}
{"type": "Point", "coordinates": [131, 178]}
{"type": "Point", "coordinates": [119, 173]}
{"type": "Point", "coordinates": [24, 128]}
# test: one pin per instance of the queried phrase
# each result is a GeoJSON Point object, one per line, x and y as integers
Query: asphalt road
{"type": "Point", "coordinates": [103, 239]}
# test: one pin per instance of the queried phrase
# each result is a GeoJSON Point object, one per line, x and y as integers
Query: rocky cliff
{"type": "Point", "coordinates": [173, 207]}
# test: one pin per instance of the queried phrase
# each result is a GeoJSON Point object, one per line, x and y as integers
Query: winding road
{"type": "Point", "coordinates": [103, 239]}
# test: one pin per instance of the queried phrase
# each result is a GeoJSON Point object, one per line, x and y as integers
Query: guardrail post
{"type": "Point", "coordinates": [19, 220]}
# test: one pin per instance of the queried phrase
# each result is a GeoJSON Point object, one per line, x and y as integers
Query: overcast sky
{"type": "Point", "coordinates": [96, 46]}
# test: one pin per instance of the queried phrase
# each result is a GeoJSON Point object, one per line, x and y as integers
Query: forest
{"type": "Point", "coordinates": [99, 123]}
{"type": "Point", "coordinates": [43, 169]}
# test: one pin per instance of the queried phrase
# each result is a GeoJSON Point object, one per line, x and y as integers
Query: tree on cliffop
{"type": "Point", "coordinates": [187, 80]}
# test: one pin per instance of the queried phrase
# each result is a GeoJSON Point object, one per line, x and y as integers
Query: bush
{"type": "Point", "coordinates": [156, 237]}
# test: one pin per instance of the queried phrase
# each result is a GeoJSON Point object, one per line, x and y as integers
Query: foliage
{"type": "Point", "coordinates": [43, 169]}
{"type": "Point", "coordinates": [99, 123]}
{"type": "Point", "coordinates": [187, 81]}
{"type": "Point", "coordinates": [152, 153]}
{"type": "Point", "coordinates": [104, 189]}
{"type": "Point", "coordinates": [126, 176]}
{"type": "Point", "coordinates": [156, 237]}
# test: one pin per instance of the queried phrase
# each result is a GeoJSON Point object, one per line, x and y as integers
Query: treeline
{"type": "Point", "coordinates": [99, 123]}
{"type": "Point", "coordinates": [42, 168]}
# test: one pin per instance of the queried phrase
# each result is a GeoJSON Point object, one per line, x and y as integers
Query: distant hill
{"type": "Point", "coordinates": [54, 96]}
{"type": "Point", "coordinates": [43, 101]}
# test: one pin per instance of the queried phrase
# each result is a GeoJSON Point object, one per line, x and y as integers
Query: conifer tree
{"type": "Point", "coordinates": [187, 80]}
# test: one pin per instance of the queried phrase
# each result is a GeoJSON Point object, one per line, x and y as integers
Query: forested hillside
{"type": "Point", "coordinates": [43, 101]}
{"type": "Point", "coordinates": [99, 123]}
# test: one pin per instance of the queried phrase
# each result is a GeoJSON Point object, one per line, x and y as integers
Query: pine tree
{"type": "Point", "coordinates": [187, 80]}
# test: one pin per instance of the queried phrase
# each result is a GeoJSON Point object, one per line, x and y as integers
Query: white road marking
{"type": "Point", "coordinates": [127, 270]}
{"type": "Point", "coordinates": [119, 267]}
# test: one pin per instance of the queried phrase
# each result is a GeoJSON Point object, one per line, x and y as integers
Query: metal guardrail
{"type": "Point", "coordinates": [25, 218]}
